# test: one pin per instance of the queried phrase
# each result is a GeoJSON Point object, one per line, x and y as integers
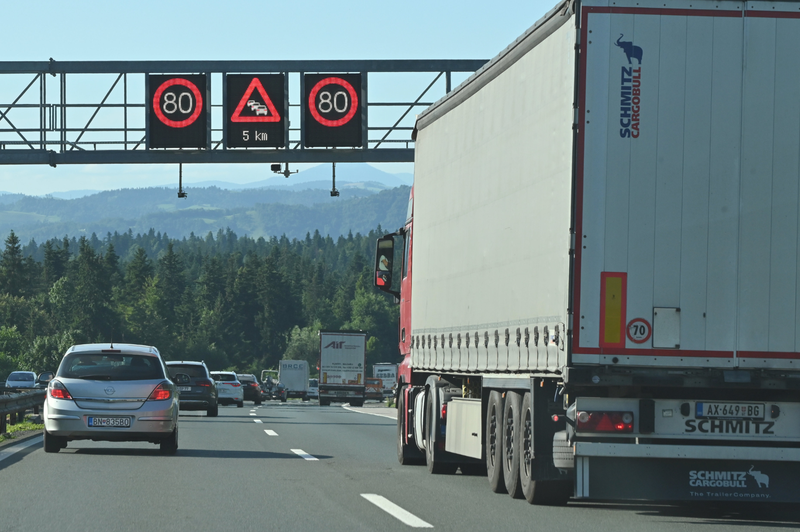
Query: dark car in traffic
{"type": "Point", "coordinates": [251, 387]}
{"type": "Point", "coordinates": [200, 393]}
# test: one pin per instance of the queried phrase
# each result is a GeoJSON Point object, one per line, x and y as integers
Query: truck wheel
{"type": "Point", "coordinates": [323, 402]}
{"type": "Point", "coordinates": [357, 403]}
{"type": "Point", "coordinates": [541, 492]}
{"type": "Point", "coordinates": [433, 457]}
{"type": "Point", "coordinates": [406, 454]}
{"type": "Point", "coordinates": [511, 435]}
{"type": "Point", "coordinates": [494, 442]}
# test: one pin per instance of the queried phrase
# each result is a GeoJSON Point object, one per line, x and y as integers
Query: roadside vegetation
{"type": "Point", "coordinates": [235, 302]}
{"type": "Point", "coordinates": [26, 426]}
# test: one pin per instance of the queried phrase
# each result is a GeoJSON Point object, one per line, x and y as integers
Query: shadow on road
{"type": "Point", "coordinates": [191, 453]}
{"type": "Point", "coordinates": [719, 514]}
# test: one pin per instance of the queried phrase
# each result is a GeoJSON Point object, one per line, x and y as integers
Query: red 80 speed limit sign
{"type": "Point", "coordinates": [178, 103]}
{"type": "Point", "coordinates": [639, 330]}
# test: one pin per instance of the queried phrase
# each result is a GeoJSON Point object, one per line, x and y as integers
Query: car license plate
{"type": "Point", "coordinates": [730, 410]}
{"type": "Point", "coordinates": [109, 422]}
{"type": "Point", "coordinates": [184, 388]}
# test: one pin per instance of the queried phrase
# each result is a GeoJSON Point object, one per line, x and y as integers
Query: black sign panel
{"type": "Point", "coordinates": [178, 111]}
{"type": "Point", "coordinates": [333, 110]}
{"type": "Point", "coordinates": [255, 111]}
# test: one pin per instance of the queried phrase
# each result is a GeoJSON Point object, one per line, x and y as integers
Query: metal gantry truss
{"type": "Point", "coordinates": [102, 118]}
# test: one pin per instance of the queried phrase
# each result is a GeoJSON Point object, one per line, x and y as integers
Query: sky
{"type": "Point", "coordinates": [88, 30]}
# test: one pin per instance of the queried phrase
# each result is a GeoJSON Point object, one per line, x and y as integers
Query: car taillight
{"type": "Point", "coordinates": [58, 390]}
{"type": "Point", "coordinates": [202, 382]}
{"type": "Point", "coordinates": [254, 385]}
{"type": "Point", "coordinates": [605, 422]}
{"type": "Point", "coordinates": [235, 384]}
{"type": "Point", "coordinates": [161, 393]}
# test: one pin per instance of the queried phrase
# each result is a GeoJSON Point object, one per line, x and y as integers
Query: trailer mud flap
{"type": "Point", "coordinates": [604, 478]}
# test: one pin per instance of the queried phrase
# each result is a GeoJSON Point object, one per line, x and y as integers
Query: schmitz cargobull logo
{"type": "Point", "coordinates": [630, 90]}
{"type": "Point", "coordinates": [749, 479]}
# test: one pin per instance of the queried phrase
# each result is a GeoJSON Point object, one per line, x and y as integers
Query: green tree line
{"type": "Point", "coordinates": [235, 302]}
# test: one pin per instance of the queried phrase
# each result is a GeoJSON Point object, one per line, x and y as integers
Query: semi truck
{"type": "Point", "coordinates": [598, 275]}
{"type": "Point", "coordinates": [293, 375]}
{"type": "Point", "coordinates": [342, 366]}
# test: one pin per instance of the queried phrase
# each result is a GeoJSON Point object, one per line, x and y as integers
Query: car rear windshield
{"type": "Point", "coordinates": [106, 366]}
{"type": "Point", "coordinates": [192, 370]}
{"type": "Point", "coordinates": [246, 378]}
{"type": "Point", "coordinates": [21, 377]}
{"type": "Point", "coordinates": [224, 377]}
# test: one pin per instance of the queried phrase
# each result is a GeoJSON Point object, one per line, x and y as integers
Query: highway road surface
{"type": "Point", "coordinates": [295, 467]}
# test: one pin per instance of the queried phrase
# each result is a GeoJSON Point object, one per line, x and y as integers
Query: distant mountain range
{"type": "Point", "coordinates": [259, 212]}
{"type": "Point", "coordinates": [355, 175]}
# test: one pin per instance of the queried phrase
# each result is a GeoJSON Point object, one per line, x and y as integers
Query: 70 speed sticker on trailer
{"type": "Point", "coordinates": [639, 330]}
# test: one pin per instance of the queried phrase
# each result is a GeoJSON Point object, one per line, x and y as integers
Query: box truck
{"type": "Point", "coordinates": [598, 276]}
{"type": "Point", "coordinates": [387, 372]}
{"type": "Point", "coordinates": [342, 363]}
{"type": "Point", "coordinates": [293, 375]}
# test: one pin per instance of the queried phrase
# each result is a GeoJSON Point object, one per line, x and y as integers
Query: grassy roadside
{"type": "Point", "coordinates": [26, 426]}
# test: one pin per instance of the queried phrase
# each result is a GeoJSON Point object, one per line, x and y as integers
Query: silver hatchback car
{"type": "Point", "coordinates": [112, 392]}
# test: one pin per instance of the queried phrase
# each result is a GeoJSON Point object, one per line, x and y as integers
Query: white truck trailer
{"type": "Point", "coordinates": [604, 229]}
{"type": "Point", "coordinates": [293, 374]}
{"type": "Point", "coordinates": [342, 367]}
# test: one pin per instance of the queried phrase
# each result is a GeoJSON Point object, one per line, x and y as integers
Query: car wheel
{"type": "Point", "coordinates": [240, 404]}
{"type": "Point", "coordinates": [494, 442]}
{"type": "Point", "coordinates": [257, 402]}
{"type": "Point", "coordinates": [283, 399]}
{"type": "Point", "coordinates": [213, 411]}
{"type": "Point", "coordinates": [511, 435]}
{"type": "Point", "coordinates": [169, 445]}
{"type": "Point", "coordinates": [53, 444]}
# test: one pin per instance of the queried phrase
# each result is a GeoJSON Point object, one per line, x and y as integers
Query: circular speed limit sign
{"type": "Point", "coordinates": [177, 111]}
{"type": "Point", "coordinates": [333, 110]}
{"type": "Point", "coordinates": [333, 102]}
{"type": "Point", "coordinates": [639, 330]}
{"type": "Point", "coordinates": [178, 102]}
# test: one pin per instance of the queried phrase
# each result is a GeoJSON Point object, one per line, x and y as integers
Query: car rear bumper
{"type": "Point", "coordinates": [153, 421]}
{"type": "Point", "coordinates": [195, 404]}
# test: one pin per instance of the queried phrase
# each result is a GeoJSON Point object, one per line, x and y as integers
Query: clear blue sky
{"type": "Point", "coordinates": [87, 30]}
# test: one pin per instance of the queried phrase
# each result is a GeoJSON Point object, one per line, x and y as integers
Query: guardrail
{"type": "Point", "coordinates": [14, 406]}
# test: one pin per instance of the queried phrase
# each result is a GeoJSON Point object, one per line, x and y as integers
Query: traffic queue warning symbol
{"type": "Point", "coordinates": [264, 112]}
{"type": "Point", "coordinates": [333, 107]}
{"type": "Point", "coordinates": [256, 111]}
{"type": "Point", "coordinates": [178, 115]}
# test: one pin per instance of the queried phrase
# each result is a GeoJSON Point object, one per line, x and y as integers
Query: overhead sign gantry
{"type": "Point", "coordinates": [217, 111]}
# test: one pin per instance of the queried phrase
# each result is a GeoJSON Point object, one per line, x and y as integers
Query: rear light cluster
{"type": "Point", "coordinates": [203, 382]}
{"type": "Point", "coordinates": [605, 422]}
{"type": "Point", "coordinates": [235, 384]}
{"type": "Point", "coordinates": [160, 393]}
{"type": "Point", "coordinates": [56, 390]}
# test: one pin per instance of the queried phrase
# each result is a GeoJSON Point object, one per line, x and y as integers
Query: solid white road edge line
{"type": "Point", "coordinates": [303, 454]}
{"type": "Point", "coordinates": [395, 511]}
{"type": "Point", "coordinates": [9, 451]}
{"type": "Point", "coordinates": [368, 413]}
{"type": "Point", "coordinates": [273, 433]}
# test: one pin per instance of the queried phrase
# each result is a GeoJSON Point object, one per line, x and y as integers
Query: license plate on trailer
{"type": "Point", "coordinates": [184, 388]}
{"type": "Point", "coordinates": [109, 422]}
{"type": "Point", "coordinates": [730, 410]}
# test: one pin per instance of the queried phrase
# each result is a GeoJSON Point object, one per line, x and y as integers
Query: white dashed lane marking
{"type": "Point", "coordinates": [395, 511]}
{"type": "Point", "coordinates": [304, 455]}
{"type": "Point", "coordinates": [258, 421]}
{"type": "Point", "coordinates": [272, 433]}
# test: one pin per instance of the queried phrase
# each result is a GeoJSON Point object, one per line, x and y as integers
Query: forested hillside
{"type": "Point", "coordinates": [234, 301]}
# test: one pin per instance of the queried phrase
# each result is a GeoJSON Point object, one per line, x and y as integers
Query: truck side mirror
{"type": "Point", "coordinates": [384, 255]}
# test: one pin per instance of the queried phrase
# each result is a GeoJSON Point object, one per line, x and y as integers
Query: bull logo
{"type": "Point", "coordinates": [630, 50]}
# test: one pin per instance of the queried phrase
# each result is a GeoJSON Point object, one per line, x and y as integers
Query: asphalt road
{"type": "Point", "coordinates": [296, 466]}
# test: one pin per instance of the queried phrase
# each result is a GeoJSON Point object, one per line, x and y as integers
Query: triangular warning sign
{"type": "Point", "coordinates": [273, 115]}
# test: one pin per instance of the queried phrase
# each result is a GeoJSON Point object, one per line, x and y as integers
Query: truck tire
{"type": "Point", "coordinates": [494, 442]}
{"type": "Point", "coordinates": [324, 402]}
{"type": "Point", "coordinates": [540, 492]}
{"type": "Point", "coordinates": [407, 454]}
{"type": "Point", "coordinates": [511, 445]}
{"type": "Point", "coordinates": [433, 456]}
